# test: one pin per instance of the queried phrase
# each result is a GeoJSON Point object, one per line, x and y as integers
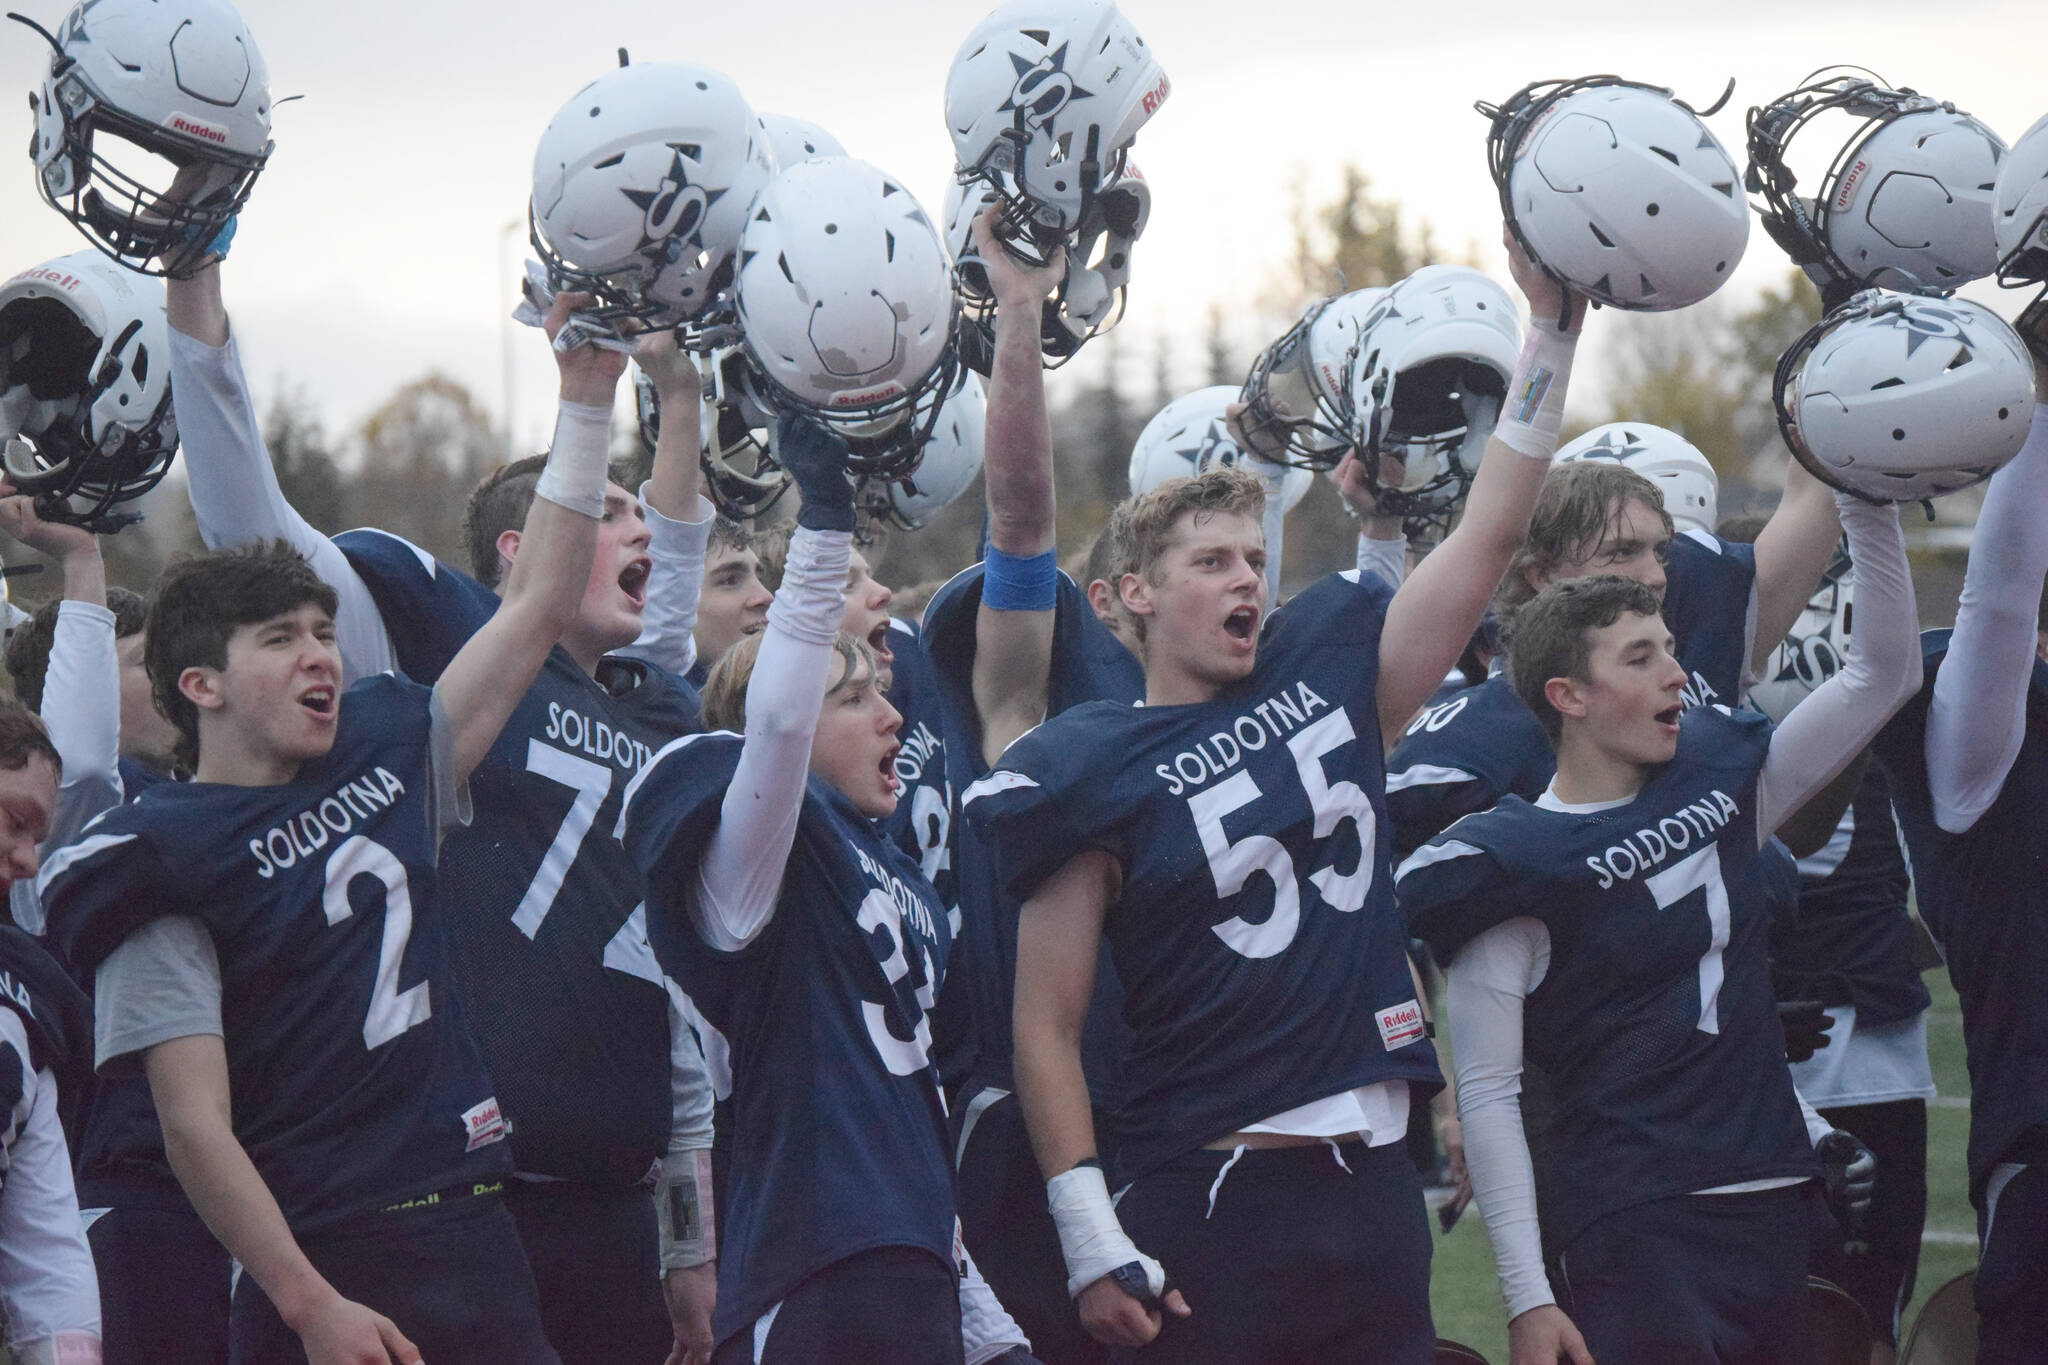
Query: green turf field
{"type": "Point", "coordinates": [1467, 1301]}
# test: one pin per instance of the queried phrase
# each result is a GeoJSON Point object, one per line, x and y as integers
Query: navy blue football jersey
{"type": "Point", "coordinates": [1262, 959]}
{"type": "Point", "coordinates": [922, 823]}
{"type": "Point", "coordinates": [1088, 664]}
{"type": "Point", "coordinates": [1464, 753]}
{"type": "Point", "coordinates": [1983, 894]}
{"type": "Point", "coordinates": [835, 1100]}
{"type": "Point", "coordinates": [1849, 940]}
{"type": "Point", "coordinates": [1654, 1027]}
{"type": "Point", "coordinates": [357, 1084]}
{"type": "Point", "coordinates": [55, 1031]}
{"type": "Point", "coordinates": [538, 889]}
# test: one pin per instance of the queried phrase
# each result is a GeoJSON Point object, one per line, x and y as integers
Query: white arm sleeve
{"type": "Point", "coordinates": [1816, 1126]}
{"type": "Point", "coordinates": [986, 1327]}
{"type": "Point", "coordinates": [82, 710]}
{"type": "Point", "coordinates": [742, 869]}
{"type": "Point", "coordinates": [668, 626]}
{"type": "Point", "coordinates": [689, 1086]}
{"type": "Point", "coordinates": [1484, 989]}
{"type": "Point", "coordinates": [1387, 558]}
{"type": "Point", "coordinates": [1978, 715]}
{"type": "Point", "coordinates": [236, 497]}
{"type": "Point", "coordinates": [1881, 673]}
{"type": "Point", "coordinates": [49, 1293]}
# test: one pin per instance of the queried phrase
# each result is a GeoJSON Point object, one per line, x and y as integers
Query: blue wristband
{"type": "Point", "coordinates": [1020, 582]}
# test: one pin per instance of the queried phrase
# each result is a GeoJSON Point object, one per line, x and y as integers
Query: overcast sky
{"type": "Point", "coordinates": [375, 246]}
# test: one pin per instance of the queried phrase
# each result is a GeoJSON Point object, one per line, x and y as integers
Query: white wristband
{"type": "Point", "coordinates": [578, 459]}
{"type": "Point", "coordinates": [1533, 416]}
{"type": "Point", "coordinates": [1091, 1239]}
{"type": "Point", "coordinates": [683, 1212]}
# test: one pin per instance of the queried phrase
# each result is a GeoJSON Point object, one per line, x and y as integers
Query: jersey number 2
{"type": "Point", "coordinates": [1232, 864]}
{"type": "Point", "coordinates": [392, 1011]}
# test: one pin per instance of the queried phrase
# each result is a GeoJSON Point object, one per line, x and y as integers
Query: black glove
{"type": "Point", "coordinates": [1851, 1175]}
{"type": "Point", "coordinates": [815, 457]}
{"type": "Point", "coordinates": [1806, 1024]}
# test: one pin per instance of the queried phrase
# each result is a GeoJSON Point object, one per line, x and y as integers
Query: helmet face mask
{"type": "Point", "coordinates": [1618, 191]}
{"type": "Point", "coordinates": [85, 395]}
{"type": "Point", "coordinates": [1298, 409]}
{"type": "Point", "coordinates": [949, 459]}
{"type": "Point", "coordinates": [740, 473]}
{"type": "Point", "coordinates": [1901, 397]}
{"type": "Point", "coordinates": [151, 128]}
{"type": "Point", "coordinates": [1905, 202]}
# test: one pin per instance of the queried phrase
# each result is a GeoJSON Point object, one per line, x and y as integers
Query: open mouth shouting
{"type": "Point", "coordinates": [1242, 625]}
{"type": "Point", "coordinates": [878, 641]}
{"type": "Point", "coordinates": [891, 783]}
{"type": "Point", "coordinates": [633, 580]}
{"type": "Point", "coordinates": [319, 700]}
{"type": "Point", "coordinates": [1667, 719]}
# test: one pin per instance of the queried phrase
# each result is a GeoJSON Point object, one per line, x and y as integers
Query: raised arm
{"type": "Point", "coordinates": [678, 514]}
{"type": "Point", "coordinates": [234, 490]}
{"type": "Point", "coordinates": [488, 677]}
{"type": "Point", "coordinates": [1792, 551]}
{"type": "Point", "coordinates": [1824, 733]}
{"type": "Point", "coordinates": [741, 874]}
{"type": "Point", "coordinates": [1020, 578]}
{"type": "Point", "coordinates": [1978, 714]}
{"type": "Point", "coordinates": [1435, 611]}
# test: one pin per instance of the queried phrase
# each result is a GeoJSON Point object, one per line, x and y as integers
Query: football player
{"type": "Point", "coordinates": [1968, 762]}
{"type": "Point", "coordinates": [269, 937]}
{"type": "Point", "coordinates": [49, 1295]}
{"type": "Point", "coordinates": [1224, 838]}
{"type": "Point", "coordinates": [547, 949]}
{"type": "Point", "coordinates": [163, 1278]}
{"type": "Point", "coordinates": [1726, 603]}
{"type": "Point", "coordinates": [1614, 933]}
{"type": "Point", "coordinates": [813, 947]}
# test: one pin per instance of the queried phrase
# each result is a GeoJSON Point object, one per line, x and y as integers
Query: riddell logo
{"type": "Point", "coordinates": [205, 132]}
{"type": "Point", "coordinates": [56, 277]}
{"type": "Point", "coordinates": [1847, 191]}
{"type": "Point", "coordinates": [861, 400]}
{"type": "Point", "coordinates": [1156, 96]}
{"type": "Point", "coordinates": [1401, 1025]}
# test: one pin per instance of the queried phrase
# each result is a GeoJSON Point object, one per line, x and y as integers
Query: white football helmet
{"type": "Point", "coordinates": [946, 467]}
{"type": "Point", "coordinates": [2019, 209]}
{"type": "Point", "coordinates": [1090, 296]}
{"type": "Point", "coordinates": [1618, 191]}
{"type": "Point", "coordinates": [846, 310]}
{"type": "Point", "coordinates": [793, 141]}
{"type": "Point", "coordinates": [1904, 204]}
{"type": "Point", "coordinates": [1899, 397]}
{"type": "Point", "coordinates": [1189, 437]}
{"type": "Point", "coordinates": [641, 185]}
{"type": "Point", "coordinates": [1297, 397]}
{"type": "Point", "coordinates": [1691, 489]}
{"type": "Point", "coordinates": [1427, 377]}
{"type": "Point", "coordinates": [1043, 100]}
{"type": "Point", "coordinates": [740, 474]}
{"type": "Point", "coordinates": [179, 80]}
{"type": "Point", "coordinates": [1813, 650]}
{"type": "Point", "coordinates": [85, 387]}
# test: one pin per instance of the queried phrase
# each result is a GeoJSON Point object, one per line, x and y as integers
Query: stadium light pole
{"type": "Point", "coordinates": [505, 328]}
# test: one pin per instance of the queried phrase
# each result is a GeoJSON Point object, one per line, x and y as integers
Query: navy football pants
{"type": "Point", "coordinates": [163, 1287]}
{"type": "Point", "coordinates": [1696, 1279]}
{"type": "Point", "coordinates": [453, 1278]}
{"type": "Point", "coordinates": [596, 1257]}
{"type": "Point", "coordinates": [1288, 1257]}
{"type": "Point", "coordinates": [894, 1304]}
{"type": "Point", "coordinates": [1009, 1231]}
{"type": "Point", "coordinates": [2012, 1273]}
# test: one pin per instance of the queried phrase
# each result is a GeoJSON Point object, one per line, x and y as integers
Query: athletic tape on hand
{"type": "Point", "coordinates": [1533, 417]}
{"type": "Point", "coordinates": [1093, 1242]}
{"type": "Point", "coordinates": [578, 459]}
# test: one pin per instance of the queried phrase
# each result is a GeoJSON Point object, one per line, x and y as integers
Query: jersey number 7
{"type": "Point", "coordinates": [1676, 885]}
{"type": "Point", "coordinates": [1232, 864]}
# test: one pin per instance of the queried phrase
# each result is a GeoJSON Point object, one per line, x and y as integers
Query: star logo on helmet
{"type": "Point", "coordinates": [1929, 322]}
{"type": "Point", "coordinates": [1217, 450]}
{"type": "Point", "coordinates": [1043, 88]}
{"type": "Point", "coordinates": [674, 210]}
